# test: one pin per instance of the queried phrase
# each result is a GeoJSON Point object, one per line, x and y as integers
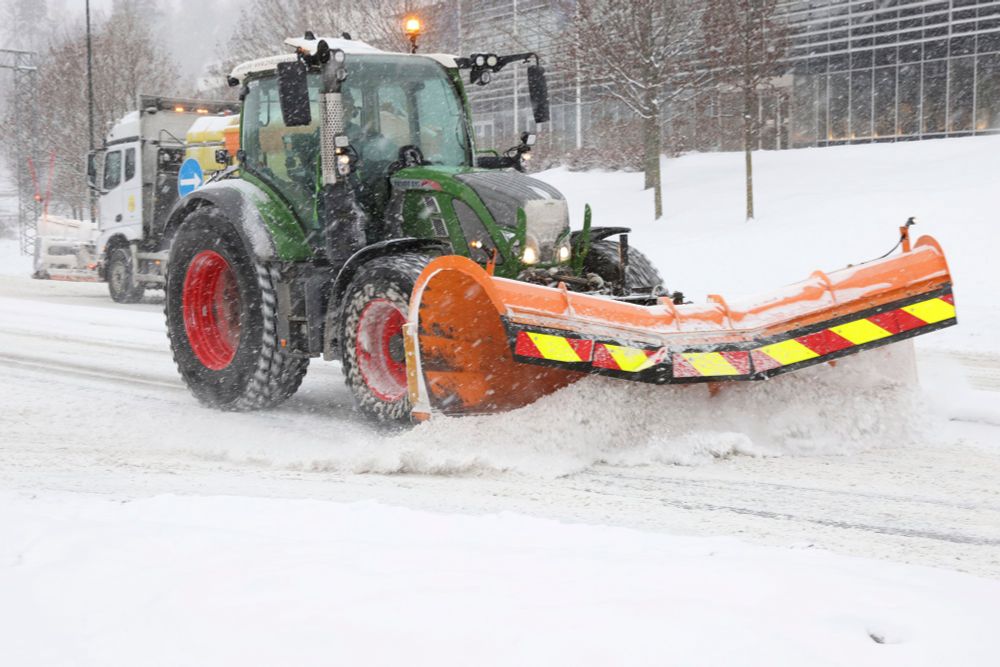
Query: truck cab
{"type": "Point", "coordinates": [135, 176]}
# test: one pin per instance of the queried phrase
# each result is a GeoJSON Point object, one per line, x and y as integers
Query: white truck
{"type": "Point", "coordinates": [135, 177]}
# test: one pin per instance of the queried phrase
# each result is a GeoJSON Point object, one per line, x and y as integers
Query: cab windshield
{"type": "Point", "coordinates": [396, 101]}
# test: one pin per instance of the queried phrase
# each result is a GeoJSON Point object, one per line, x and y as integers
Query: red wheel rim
{"type": "Point", "coordinates": [211, 305]}
{"type": "Point", "coordinates": [379, 349]}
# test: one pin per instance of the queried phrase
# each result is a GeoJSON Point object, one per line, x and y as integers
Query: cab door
{"type": "Point", "coordinates": [112, 213]}
{"type": "Point", "coordinates": [132, 187]}
{"type": "Point", "coordinates": [121, 192]}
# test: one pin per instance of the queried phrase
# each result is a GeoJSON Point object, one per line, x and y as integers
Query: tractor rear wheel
{"type": "Point", "coordinates": [121, 278]}
{"type": "Point", "coordinates": [371, 335]}
{"type": "Point", "coordinates": [604, 260]}
{"type": "Point", "coordinates": [221, 309]}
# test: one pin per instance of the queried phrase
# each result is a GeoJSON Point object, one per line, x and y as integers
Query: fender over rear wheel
{"type": "Point", "coordinates": [221, 310]}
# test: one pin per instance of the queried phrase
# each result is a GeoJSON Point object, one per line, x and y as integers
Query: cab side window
{"type": "Point", "coordinates": [129, 164]}
{"type": "Point", "coordinates": [112, 170]}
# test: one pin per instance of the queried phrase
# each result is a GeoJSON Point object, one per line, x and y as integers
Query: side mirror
{"type": "Point", "coordinates": [528, 139]}
{"type": "Point", "coordinates": [293, 94]}
{"type": "Point", "coordinates": [92, 170]}
{"type": "Point", "coordinates": [538, 90]}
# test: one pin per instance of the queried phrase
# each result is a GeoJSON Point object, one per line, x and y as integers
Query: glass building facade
{"type": "Point", "coordinates": [858, 71]}
{"type": "Point", "coordinates": [892, 70]}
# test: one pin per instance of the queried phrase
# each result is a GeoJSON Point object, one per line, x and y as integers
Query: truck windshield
{"type": "Point", "coordinates": [396, 101]}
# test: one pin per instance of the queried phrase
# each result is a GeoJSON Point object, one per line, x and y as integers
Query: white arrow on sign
{"type": "Point", "coordinates": [194, 181]}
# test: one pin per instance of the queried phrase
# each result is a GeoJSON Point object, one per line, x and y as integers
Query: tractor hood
{"type": "Point", "coordinates": [545, 209]}
{"type": "Point", "coordinates": [503, 192]}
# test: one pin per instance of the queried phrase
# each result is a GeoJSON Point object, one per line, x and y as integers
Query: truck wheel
{"type": "Point", "coordinates": [603, 259]}
{"type": "Point", "coordinates": [222, 319]}
{"type": "Point", "coordinates": [121, 280]}
{"type": "Point", "coordinates": [371, 335]}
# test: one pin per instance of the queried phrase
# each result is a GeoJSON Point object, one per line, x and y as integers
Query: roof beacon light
{"type": "Point", "coordinates": [412, 27]}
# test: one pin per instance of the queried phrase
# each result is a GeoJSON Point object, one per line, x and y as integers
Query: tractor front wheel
{"type": "Point", "coordinates": [604, 259]}
{"type": "Point", "coordinates": [221, 309]}
{"type": "Point", "coordinates": [371, 335]}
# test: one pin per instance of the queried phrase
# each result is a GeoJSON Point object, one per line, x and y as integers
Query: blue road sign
{"type": "Point", "coordinates": [190, 177]}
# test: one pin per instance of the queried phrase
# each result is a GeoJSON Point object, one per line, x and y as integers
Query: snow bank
{"type": "Point", "coordinates": [248, 581]}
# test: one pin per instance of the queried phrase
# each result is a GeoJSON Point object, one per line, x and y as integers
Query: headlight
{"type": "Point", "coordinates": [564, 253]}
{"type": "Point", "coordinates": [530, 255]}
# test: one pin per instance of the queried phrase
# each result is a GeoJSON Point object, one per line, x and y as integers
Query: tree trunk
{"type": "Point", "coordinates": [748, 148]}
{"type": "Point", "coordinates": [651, 163]}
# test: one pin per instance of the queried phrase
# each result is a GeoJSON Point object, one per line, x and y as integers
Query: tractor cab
{"type": "Point", "coordinates": [395, 111]}
{"type": "Point", "coordinates": [401, 154]}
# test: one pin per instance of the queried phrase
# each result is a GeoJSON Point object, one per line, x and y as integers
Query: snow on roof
{"type": "Point", "coordinates": [348, 46]}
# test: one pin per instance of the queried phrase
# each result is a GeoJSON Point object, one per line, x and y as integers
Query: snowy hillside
{"type": "Point", "coordinates": [835, 516]}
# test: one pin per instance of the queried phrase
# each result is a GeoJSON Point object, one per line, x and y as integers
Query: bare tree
{"type": "Point", "coordinates": [745, 46]}
{"type": "Point", "coordinates": [639, 53]}
{"type": "Point", "coordinates": [124, 66]}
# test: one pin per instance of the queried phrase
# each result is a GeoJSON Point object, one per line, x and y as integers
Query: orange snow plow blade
{"type": "Point", "coordinates": [480, 344]}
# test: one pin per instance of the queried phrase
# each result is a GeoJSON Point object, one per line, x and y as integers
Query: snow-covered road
{"type": "Point", "coordinates": [137, 527]}
{"type": "Point", "coordinates": [92, 404]}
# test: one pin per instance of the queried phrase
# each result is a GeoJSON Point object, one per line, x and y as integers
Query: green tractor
{"type": "Point", "coordinates": [357, 167]}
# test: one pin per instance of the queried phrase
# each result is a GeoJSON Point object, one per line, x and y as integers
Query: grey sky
{"type": "Point", "coordinates": [192, 28]}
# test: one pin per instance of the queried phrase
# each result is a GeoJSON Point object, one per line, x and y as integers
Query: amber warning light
{"type": "Point", "coordinates": [412, 26]}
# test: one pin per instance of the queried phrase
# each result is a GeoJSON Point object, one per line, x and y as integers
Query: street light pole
{"type": "Point", "coordinates": [90, 85]}
{"type": "Point", "coordinates": [90, 107]}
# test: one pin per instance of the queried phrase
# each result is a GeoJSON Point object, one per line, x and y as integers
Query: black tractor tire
{"type": "Point", "coordinates": [253, 371]}
{"type": "Point", "coordinates": [604, 259]}
{"type": "Point", "coordinates": [373, 360]}
{"type": "Point", "coordinates": [121, 278]}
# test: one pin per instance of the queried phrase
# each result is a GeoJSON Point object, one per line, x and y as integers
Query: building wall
{"type": "Point", "coordinates": [890, 70]}
{"type": "Point", "coordinates": [858, 71]}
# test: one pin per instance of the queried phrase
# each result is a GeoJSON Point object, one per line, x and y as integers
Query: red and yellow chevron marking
{"type": "Point", "coordinates": [755, 363]}
{"type": "Point", "coordinates": [628, 359]}
{"type": "Point", "coordinates": [553, 348]}
{"type": "Point", "coordinates": [711, 364]}
{"type": "Point", "coordinates": [851, 334]}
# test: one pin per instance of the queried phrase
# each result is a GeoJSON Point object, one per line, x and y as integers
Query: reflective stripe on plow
{"type": "Point", "coordinates": [932, 311]}
{"type": "Point", "coordinates": [711, 364]}
{"type": "Point", "coordinates": [860, 332]}
{"type": "Point", "coordinates": [553, 348]}
{"type": "Point", "coordinates": [628, 359]}
{"type": "Point", "coordinates": [788, 352]}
